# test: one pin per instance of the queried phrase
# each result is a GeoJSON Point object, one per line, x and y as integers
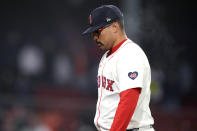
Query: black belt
{"type": "Point", "coordinates": [136, 129]}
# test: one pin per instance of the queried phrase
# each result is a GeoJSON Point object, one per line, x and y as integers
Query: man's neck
{"type": "Point", "coordinates": [119, 39]}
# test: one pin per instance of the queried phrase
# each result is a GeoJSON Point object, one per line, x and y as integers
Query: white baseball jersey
{"type": "Point", "coordinates": [126, 68]}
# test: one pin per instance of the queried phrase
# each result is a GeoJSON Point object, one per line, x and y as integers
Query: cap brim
{"type": "Point", "coordinates": [91, 29]}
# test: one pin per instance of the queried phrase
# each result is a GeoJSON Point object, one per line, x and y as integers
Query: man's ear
{"type": "Point", "coordinates": [115, 27]}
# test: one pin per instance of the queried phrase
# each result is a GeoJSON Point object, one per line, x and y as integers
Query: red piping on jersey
{"type": "Point", "coordinates": [115, 48]}
{"type": "Point", "coordinates": [109, 53]}
{"type": "Point", "coordinates": [101, 94]}
{"type": "Point", "coordinates": [100, 100]}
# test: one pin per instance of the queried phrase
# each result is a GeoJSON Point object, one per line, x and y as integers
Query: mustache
{"type": "Point", "coordinates": [97, 42]}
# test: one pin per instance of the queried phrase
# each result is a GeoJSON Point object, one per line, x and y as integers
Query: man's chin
{"type": "Point", "coordinates": [100, 46]}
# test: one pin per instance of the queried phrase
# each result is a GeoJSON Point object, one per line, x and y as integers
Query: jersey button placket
{"type": "Point", "coordinates": [102, 66]}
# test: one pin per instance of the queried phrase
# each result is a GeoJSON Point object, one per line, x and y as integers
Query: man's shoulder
{"type": "Point", "coordinates": [130, 47]}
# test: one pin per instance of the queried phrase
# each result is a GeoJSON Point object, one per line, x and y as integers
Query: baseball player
{"type": "Point", "coordinates": [124, 75]}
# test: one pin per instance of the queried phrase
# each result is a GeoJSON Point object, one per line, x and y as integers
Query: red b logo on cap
{"type": "Point", "coordinates": [90, 19]}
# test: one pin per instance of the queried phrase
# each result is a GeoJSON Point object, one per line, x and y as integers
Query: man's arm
{"type": "Point", "coordinates": [126, 108]}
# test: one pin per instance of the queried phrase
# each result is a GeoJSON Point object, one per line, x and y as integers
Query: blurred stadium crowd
{"type": "Point", "coordinates": [48, 71]}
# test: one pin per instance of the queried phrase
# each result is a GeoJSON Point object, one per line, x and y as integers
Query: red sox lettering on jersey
{"type": "Point", "coordinates": [106, 83]}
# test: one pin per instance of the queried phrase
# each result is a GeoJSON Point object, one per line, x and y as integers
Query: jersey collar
{"type": "Point", "coordinates": [115, 48]}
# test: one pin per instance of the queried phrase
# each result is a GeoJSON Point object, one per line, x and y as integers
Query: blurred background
{"type": "Point", "coordinates": [48, 70]}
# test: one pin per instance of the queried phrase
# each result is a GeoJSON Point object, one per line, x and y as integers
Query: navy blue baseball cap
{"type": "Point", "coordinates": [102, 16]}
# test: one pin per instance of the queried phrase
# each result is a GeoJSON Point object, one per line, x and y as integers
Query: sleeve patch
{"type": "Point", "coordinates": [133, 75]}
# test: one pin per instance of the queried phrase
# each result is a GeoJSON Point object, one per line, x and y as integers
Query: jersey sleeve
{"type": "Point", "coordinates": [125, 110]}
{"type": "Point", "coordinates": [131, 69]}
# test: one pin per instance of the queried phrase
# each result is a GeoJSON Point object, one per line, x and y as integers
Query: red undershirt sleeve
{"type": "Point", "coordinates": [125, 109]}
